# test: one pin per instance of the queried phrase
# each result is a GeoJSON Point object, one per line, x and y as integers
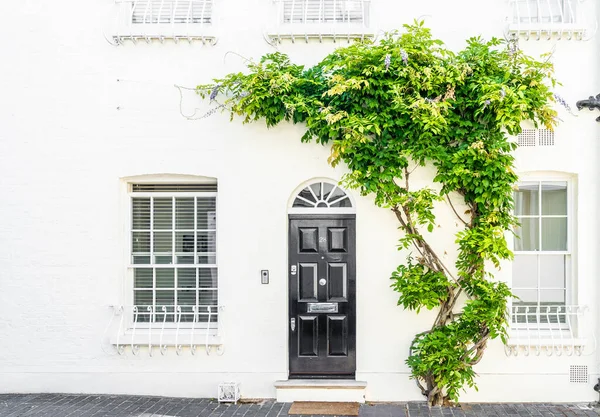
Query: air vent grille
{"type": "Point", "coordinates": [578, 374]}
{"type": "Point", "coordinates": [526, 137]}
{"type": "Point", "coordinates": [162, 188]}
{"type": "Point", "coordinates": [546, 137]}
{"type": "Point", "coordinates": [536, 137]}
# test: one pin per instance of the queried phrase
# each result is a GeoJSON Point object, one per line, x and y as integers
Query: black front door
{"type": "Point", "coordinates": [322, 286]}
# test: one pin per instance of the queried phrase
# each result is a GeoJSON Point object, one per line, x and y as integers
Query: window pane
{"type": "Point", "coordinates": [344, 202]}
{"type": "Point", "coordinates": [207, 298]}
{"type": "Point", "coordinates": [207, 277]}
{"type": "Point", "coordinates": [554, 198]}
{"type": "Point", "coordinates": [554, 234]}
{"type": "Point", "coordinates": [163, 213]}
{"type": "Point", "coordinates": [207, 242]}
{"type": "Point", "coordinates": [142, 298]}
{"type": "Point", "coordinates": [316, 187]}
{"type": "Point", "coordinates": [207, 258]}
{"type": "Point", "coordinates": [139, 260]}
{"type": "Point", "coordinates": [525, 296]}
{"type": "Point", "coordinates": [337, 193]}
{"type": "Point", "coordinates": [182, 260]}
{"type": "Point", "coordinates": [165, 278]}
{"type": "Point", "coordinates": [164, 298]}
{"type": "Point", "coordinates": [163, 242]}
{"type": "Point", "coordinates": [327, 188]}
{"type": "Point", "coordinates": [552, 271]}
{"type": "Point", "coordinates": [140, 242]}
{"type": "Point", "coordinates": [142, 278]}
{"type": "Point", "coordinates": [184, 242]}
{"type": "Point", "coordinates": [184, 213]}
{"type": "Point", "coordinates": [525, 271]}
{"type": "Point", "coordinates": [206, 213]}
{"type": "Point", "coordinates": [187, 300]}
{"type": "Point", "coordinates": [307, 195]}
{"type": "Point", "coordinates": [548, 297]}
{"type": "Point", "coordinates": [527, 235]}
{"type": "Point", "coordinates": [163, 260]}
{"type": "Point", "coordinates": [186, 278]}
{"type": "Point", "coordinates": [527, 199]}
{"type": "Point", "coordinates": [141, 213]}
{"type": "Point", "coordinates": [301, 203]}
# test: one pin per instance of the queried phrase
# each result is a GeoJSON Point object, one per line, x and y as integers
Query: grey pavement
{"type": "Point", "coordinates": [63, 405]}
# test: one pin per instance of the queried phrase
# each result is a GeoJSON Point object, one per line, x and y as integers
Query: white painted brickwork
{"type": "Point", "coordinates": [79, 116]}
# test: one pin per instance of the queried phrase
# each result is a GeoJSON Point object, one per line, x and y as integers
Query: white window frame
{"type": "Point", "coordinates": [344, 29]}
{"type": "Point", "coordinates": [570, 278]}
{"type": "Point", "coordinates": [126, 28]}
{"type": "Point", "coordinates": [520, 21]}
{"type": "Point", "coordinates": [128, 288]}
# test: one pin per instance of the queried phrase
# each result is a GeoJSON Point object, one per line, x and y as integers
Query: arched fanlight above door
{"type": "Point", "coordinates": [322, 196]}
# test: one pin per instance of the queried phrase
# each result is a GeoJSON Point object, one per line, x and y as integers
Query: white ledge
{"type": "Point", "coordinates": [320, 383]}
{"type": "Point", "coordinates": [534, 341]}
{"type": "Point", "coordinates": [546, 28]}
{"type": "Point", "coordinates": [168, 339]}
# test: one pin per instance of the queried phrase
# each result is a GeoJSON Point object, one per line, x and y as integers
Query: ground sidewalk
{"type": "Point", "coordinates": [61, 405]}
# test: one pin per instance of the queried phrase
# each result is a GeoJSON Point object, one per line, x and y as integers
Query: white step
{"type": "Point", "coordinates": [334, 390]}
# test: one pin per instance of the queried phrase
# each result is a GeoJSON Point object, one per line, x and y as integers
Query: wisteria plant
{"type": "Point", "coordinates": [384, 108]}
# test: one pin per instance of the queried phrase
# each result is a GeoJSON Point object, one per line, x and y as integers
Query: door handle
{"type": "Point", "coordinates": [293, 324]}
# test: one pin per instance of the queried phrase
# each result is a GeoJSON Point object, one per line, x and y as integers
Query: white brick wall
{"type": "Point", "coordinates": [69, 131]}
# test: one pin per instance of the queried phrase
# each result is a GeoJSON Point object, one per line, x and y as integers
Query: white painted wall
{"type": "Point", "coordinates": [79, 115]}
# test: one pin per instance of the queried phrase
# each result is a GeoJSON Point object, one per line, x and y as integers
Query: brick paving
{"type": "Point", "coordinates": [61, 405]}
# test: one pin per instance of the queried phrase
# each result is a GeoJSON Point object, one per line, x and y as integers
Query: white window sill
{"type": "Point", "coordinates": [546, 28]}
{"type": "Point", "coordinates": [168, 338]}
{"type": "Point", "coordinates": [545, 341]}
{"type": "Point", "coordinates": [321, 30]}
{"type": "Point", "coordinates": [149, 31]}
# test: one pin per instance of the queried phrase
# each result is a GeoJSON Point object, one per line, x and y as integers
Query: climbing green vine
{"type": "Point", "coordinates": [406, 102]}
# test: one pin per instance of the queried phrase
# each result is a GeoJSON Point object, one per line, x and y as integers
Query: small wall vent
{"type": "Point", "coordinates": [536, 137]}
{"type": "Point", "coordinates": [546, 137]}
{"type": "Point", "coordinates": [578, 374]}
{"type": "Point", "coordinates": [526, 137]}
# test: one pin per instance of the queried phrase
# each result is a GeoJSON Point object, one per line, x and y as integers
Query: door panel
{"type": "Point", "coordinates": [338, 240]}
{"type": "Point", "coordinates": [309, 239]}
{"type": "Point", "coordinates": [338, 282]}
{"type": "Point", "coordinates": [307, 282]}
{"type": "Point", "coordinates": [308, 331]}
{"type": "Point", "coordinates": [322, 296]}
{"type": "Point", "coordinates": [337, 331]}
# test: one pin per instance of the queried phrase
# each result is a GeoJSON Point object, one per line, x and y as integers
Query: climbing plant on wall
{"type": "Point", "coordinates": [406, 102]}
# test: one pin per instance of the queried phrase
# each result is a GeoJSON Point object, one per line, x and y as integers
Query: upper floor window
{"type": "Point", "coordinates": [164, 19]}
{"type": "Point", "coordinates": [541, 268]}
{"type": "Point", "coordinates": [325, 11]}
{"type": "Point", "coordinates": [173, 252]}
{"type": "Point", "coordinates": [544, 11]}
{"type": "Point", "coordinates": [171, 11]}
{"type": "Point", "coordinates": [319, 19]}
{"type": "Point", "coordinates": [546, 18]}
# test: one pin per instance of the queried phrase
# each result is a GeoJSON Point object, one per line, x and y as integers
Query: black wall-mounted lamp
{"type": "Point", "coordinates": [591, 103]}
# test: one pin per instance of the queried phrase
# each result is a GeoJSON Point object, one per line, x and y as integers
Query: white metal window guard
{"type": "Point", "coordinates": [148, 20]}
{"type": "Point", "coordinates": [548, 18]}
{"type": "Point", "coordinates": [554, 329]}
{"type": "Point", "coordinates": [148, 326]}
{"type": "Point", "coordinates": [320, 19]}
